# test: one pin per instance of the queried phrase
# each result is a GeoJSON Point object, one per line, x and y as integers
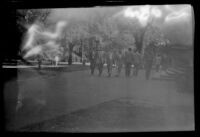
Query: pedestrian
{"type": "Point", "coordinates": [56, 60]}
{"type": "Point", "coordinates": [119, 62]}
{"type": "Point", "coordinates": [148, 59]}
{"type": "Point", "coordinates": [164, 62]}
{"type": "Point", "coordinates": [128, 60]}
{"type": "Point", "coordinates": [84, 59]}
{"type": "Point", "coordinates": [169, 61]}
{"type": "Point", "coordinates": [137, 63]}
{"type": "Point", "coordinates": [109, 62]}
{"type": "Point", "coordinates": [92, 61]}
{"type": "Point", "coordinates": [158, 62]}
{"type": "Point", "coordinates": [100, 62]}
{"type": "Point", "coordinates": [39, 58]}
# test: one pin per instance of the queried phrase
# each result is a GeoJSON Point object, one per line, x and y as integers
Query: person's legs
{"type": "Point", "coordinates": [128, 69]}
{"type": "Point", "coordinates": [147, 73]}
{"type": "Point", "coordinates": [39, 64]}
{"type": "Point", "coordinates": [109, 70]}
{"type": "Point", "coordinates": [119, 69]}
{"type": "Point", "coordinates": [92, 66]}
{"type": "Point", "coordinates": [157, 67]}
{"type": "Point", "coordinates": [136, 69]}
{"type": "Point", "coordinates": [100, 69]}
{"type": "Point", "coordinates": [148, 69]}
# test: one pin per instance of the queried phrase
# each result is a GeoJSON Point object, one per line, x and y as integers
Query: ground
{"type": "Point", "coordinates": [78, 102]}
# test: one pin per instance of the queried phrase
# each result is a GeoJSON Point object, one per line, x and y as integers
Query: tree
{"type": "Point", "coordinates": [153, 34]}
{"type": "Point", "coordinates": [98, 32]}
{"type": "Point", "coordinates": [131, 29]}
{"type": "Point", "coordinates": [74, 36]}
{"type": "Point", "coordinates": [29, 16]}
{"type": "Point", "coordinates": [111, 35]}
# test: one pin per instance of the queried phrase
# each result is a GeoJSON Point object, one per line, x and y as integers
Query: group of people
{"type": "Point", "coordinates": [130, 58]}
{"type": "Point", "coordinates": [115, 58]}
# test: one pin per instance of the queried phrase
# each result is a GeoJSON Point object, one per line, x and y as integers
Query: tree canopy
{"type": "Point", "coordinates": [102, 31]}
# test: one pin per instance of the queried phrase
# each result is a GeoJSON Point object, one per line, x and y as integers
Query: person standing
{"type": "Point", "coordinates": [164, 62]}
{"type": "Point", "coordinates": [84, 60]}
{"type": "Point", "coordinates": [128, 59]}
{"type": "Point", "coordinates": [109, 62]}
{"type": "Point", "coordinates": [100, 62]}
{"type": "Point", "coordinates": [56, 60]}
{"type": "Point", "coordinates": [137, 63]}
{"type": "Point", "coordinates": [148, 59]}
{"type": "Point", "coordinates": [39, 58]}
{"type": "Point", "coordinates": [158, 62]}
{"type": "Point", "coordinates": [92, 61]}
{"type": "Point", "coordinates": [119, 62]}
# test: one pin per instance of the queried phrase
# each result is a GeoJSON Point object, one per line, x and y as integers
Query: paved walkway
{"type": "Point", "coordinates": [125, 114]}
{"type": "Point", "coordinates": [151, 104]}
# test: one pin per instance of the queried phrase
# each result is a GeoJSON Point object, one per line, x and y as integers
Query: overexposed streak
{"type": "Point", "coordinates": [51, 37]}
{"type": "Point", "coordinates": [57, 33]}
{"type": "Point", "coordinates": [31, 36]}
{"type": "Point", "coordinates": [176, 16]}
{"type": "Point", "coordinates": [33, 51]}
{"type": "Point", "coordinates": [51, 44]}
{"type": "Point", "coordinates": [180, 14]}
{"type": "Point", "coordinates": [143, 13]}
{"type": "Point", "coordinates": [156, 12]}
{"type": "Point", "coordinates": [168, 7]}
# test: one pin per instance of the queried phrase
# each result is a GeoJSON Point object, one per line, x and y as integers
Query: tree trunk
{"type": "Point", "coordinates": [70, 58]}
{"type": "Point", "coordinates": [142, 40]}
{"type": "Point", "coordinates": [139, 40]}
{"type": "Point", "coordinates": [70, 54]}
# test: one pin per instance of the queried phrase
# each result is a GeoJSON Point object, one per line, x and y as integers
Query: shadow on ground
{"type": "Point", "coordinates": [120, 115]}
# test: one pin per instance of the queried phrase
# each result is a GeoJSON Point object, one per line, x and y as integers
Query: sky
{"type": "Point", "coordinates": [174, 20]}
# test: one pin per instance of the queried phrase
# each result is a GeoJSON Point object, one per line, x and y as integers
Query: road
{"type": "Point", "coordinates": [65, 93]}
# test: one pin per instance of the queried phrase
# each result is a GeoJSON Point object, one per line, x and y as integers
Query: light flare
{"type": "Point", "coordinates": [57, 33]}
{"type": "Point", "coordinates": [156, 12]}
{"type": "Point", "coordinates": [181, 14]}
{"type": "Point", "coordinates": [143, 13]}
{"type": "Point", "coordinates": [31, 36]}
{"type": "Point", "coordinates": [33, 51]}
{"type": "Point", "coordinates": [31, 44]}
{"type": "Point", "coordinates": [176, 16]}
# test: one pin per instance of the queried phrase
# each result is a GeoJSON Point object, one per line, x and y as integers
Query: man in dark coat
{"type": "Point", "coordinates": [100, 61]}
{"type": "Point", "coordinates": [137, 62]}
{"type": "Point", "coordinates": [119, 62]}
{"type": "Point", "coordinates": [148, 59]}
{"type": "Point", "coordinates": [128, 60]}
{"type": "Point", "coordinates": [109, 62]}
{"type": "Point", "coordinates": [39, 59]}
{"type": "Point", "coordinates": [158, 59]}
{"type": "Point", "coordinates": [92, 58]}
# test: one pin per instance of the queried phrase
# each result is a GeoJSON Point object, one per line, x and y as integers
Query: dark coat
{"type": "Point", "coordinates": [128, 57]}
